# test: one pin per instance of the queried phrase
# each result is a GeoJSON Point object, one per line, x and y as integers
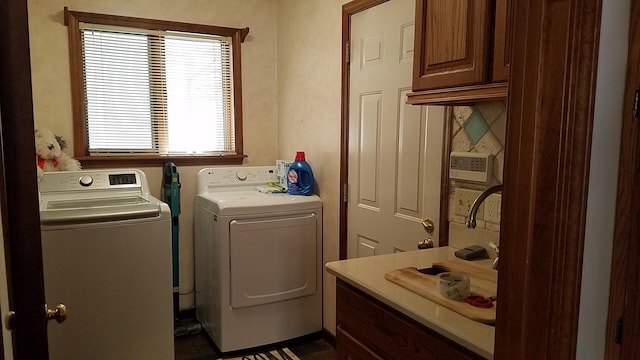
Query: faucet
{"type": "Point", "coordinates": [496, 248]}
{"type": "Point", "coordinates": [471, 222]}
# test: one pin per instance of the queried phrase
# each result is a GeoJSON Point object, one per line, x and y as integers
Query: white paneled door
{"type": "Point", "coordinates": [395, 149]}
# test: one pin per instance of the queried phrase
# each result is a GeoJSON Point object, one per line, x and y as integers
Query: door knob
{"type": "Point", "coordinates": [425, 244]}
{"type": "Point", "coordinates": [10, 320]}
{"type": "Point", "coordinates": [428, 226]}
{"type": "Point", "coordinates": [59, 313]}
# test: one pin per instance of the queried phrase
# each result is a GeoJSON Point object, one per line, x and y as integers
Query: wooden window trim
{"type": "Point", "coordinates": [80, 148]}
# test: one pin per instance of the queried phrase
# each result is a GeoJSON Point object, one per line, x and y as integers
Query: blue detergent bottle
{"type": "Point", "coordinates": [300, 176]}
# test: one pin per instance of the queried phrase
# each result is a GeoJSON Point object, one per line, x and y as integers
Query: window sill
{"type": "Point", "coordinates": [92, 162]}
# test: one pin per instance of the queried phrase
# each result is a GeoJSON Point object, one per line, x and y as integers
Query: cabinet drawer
{"type": "Point", "coordinates": [370, 325]}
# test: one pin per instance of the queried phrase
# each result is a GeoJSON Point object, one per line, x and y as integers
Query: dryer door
{"type": "Point", "coordinates": [272, 259]}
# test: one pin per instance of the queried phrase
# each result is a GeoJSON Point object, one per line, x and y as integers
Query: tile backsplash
{"type": "Point", "coordinates": [481, 129]}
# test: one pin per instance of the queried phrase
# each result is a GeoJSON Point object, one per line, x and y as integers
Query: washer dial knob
{"type": "Point", "coordinates": [85, 180]}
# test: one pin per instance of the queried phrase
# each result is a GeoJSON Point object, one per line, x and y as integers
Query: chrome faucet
{"type": "Point", "coordinates": [471, 222]}
{"type": "Point", "coordinates": [496, 248]}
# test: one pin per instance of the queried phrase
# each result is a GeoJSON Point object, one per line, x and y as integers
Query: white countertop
{"type": "Point", "coordinates": [367, 275]}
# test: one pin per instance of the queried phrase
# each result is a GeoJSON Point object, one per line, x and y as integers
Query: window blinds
{"type": "Point", "coordinates": [157, 91]}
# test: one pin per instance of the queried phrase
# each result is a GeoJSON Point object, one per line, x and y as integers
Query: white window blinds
{"type": "Point", "coordinates": [157, 92]}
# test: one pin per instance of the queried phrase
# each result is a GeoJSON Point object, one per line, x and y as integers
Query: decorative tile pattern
{"type": "Point", "coordinates": [480, 128]}
{"type": "Point", "coordinates": [461, 114]}
{"type": "Point", "coordinates": [491, 110]}
{"type": "Point", "coordinates": [499, 127]}
{"type": "Point", "coordinates": [475, 127]}
{"type": "Point", "coordinates": [460, 142]}
{"type": "Point", "coordinates": [498, 166]}
{"type": "Point", "coordinates": [488, 144]}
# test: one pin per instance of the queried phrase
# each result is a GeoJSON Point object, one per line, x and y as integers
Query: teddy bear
{"type": "Point", "coordinates": [49, 154]}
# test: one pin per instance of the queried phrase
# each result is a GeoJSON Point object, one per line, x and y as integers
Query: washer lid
{"type": "Point", "coordinates": [253, 202]}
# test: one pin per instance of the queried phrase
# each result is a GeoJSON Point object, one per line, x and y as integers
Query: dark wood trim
{"type": "Point", "coordinates": [625, 276]}
{"type": "Point", "coordinates": [329, 337]}
{"type": "Point", "coordinates": [501, 40]}
{"type": "Point", "coordinates": [151, 24]}
{"type": "Point", "coordinates": [443, 228]}
{"type": "Point", "coordinates": [348, 10]}
{"type": "Point", "coordinates": [19, 195]}
{"type": "Point", "coordinates": [466, 95]}
{"type": "Point", "coordinates": [81, 149]}
{"type": "Point", "coordinates": [93, 162]}
{"type": "Point", "coordinates": [550, 112]}
{"type": "Point", "coordinates": [77, 91]}
{"type": "Point", "coordinates": [238, 38]}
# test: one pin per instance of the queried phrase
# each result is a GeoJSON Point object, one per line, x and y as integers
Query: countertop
{"type": "Point", "coordinates": [367, 275]}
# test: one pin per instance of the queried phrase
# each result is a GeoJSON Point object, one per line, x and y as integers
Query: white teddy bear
{"type": "Point", "coordinates": [49, 154]}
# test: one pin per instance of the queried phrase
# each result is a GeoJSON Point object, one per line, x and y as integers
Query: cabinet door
{"type": "Point", "coordinates": [502, 41]}
{"type": "Point", "coordinates": [368, 329]}
{"type": "Point", "coordinates": [348, 348]}
{"type": "Point", "coordinates": [451, 43]}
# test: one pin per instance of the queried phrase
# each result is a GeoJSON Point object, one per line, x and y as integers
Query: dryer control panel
{"type": "Point", "coordinates": [234, 177]}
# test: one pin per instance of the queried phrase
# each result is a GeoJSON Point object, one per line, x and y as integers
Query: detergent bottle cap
{"type": "Point", "coordinates": [300, 156]}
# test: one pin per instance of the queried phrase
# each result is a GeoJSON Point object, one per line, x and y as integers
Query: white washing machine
{"type": "Point", "coordinates": [106, 247]}
{"type": "Point", "coordinates": [258, 259]}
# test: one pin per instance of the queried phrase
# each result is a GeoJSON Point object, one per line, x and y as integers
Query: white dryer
{"type": "Point", "coordinates": [106, 248]}
{"type": "Point", "coordinates": [258, 259]}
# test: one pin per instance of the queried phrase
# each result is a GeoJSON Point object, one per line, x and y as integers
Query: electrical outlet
{"type": "Point", "coordinates": [464, 199]}
{"type": "Point", "coordinates": [492, 208]}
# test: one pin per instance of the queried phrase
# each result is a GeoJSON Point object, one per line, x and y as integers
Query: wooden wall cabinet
{"type": "Point", "coordinates": [368, 329]}
{"type": "Point", "coordinates": [461, 51]}
{"type": "Point", "coordinates": [451, 43]}
{"type": "Point", "coordinates": [501, 41]}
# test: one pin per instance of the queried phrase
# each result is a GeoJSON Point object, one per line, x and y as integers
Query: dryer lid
{"type": "Point", "coordinates": [254, 202]}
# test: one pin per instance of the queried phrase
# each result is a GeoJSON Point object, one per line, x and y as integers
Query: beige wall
{"type": "Point", "coordinates": [52, 92]}
{"type": "Point", "coordinates": [309, 78]}
{"type": "Point", "coordinates": [291, 93]}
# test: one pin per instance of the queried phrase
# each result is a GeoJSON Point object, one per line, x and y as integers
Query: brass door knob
{"type": "Point", "coordinates": [59, 313]}
{"type": "Point", "coordinates": [10, 320]}
{"type": "Point", "coordinates": [428, 226]}
{"type": "Point", "coordinates": [425, 244]}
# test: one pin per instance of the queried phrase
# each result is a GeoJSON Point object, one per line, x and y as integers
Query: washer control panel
{"type": "Point", "coordinates": [62, 181]}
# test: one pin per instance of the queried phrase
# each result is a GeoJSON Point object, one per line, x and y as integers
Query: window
{"type": "Point", "coordinates": [149, 90]}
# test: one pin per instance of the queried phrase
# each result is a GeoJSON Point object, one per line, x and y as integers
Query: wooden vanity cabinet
{"type": "Point", "coordinates": [368, 329]}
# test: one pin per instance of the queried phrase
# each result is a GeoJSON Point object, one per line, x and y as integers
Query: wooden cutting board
{"type": "Point", "coordinates": [483, 282]}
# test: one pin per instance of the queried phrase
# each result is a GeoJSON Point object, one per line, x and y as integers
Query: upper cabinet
{"type": "Point", "coordinates": [461, 51]}
{"type": "Point", "coordinates": [501, 43]}
{"type": "Point", "coordinates": [451, 43]}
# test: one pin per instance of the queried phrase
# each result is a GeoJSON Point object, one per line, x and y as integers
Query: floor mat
{"type": "Point", "coordinates": [280, 354]}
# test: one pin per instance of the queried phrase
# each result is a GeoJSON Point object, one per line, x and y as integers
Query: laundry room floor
{"type": "Point", "coordinates": [200, 347]}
